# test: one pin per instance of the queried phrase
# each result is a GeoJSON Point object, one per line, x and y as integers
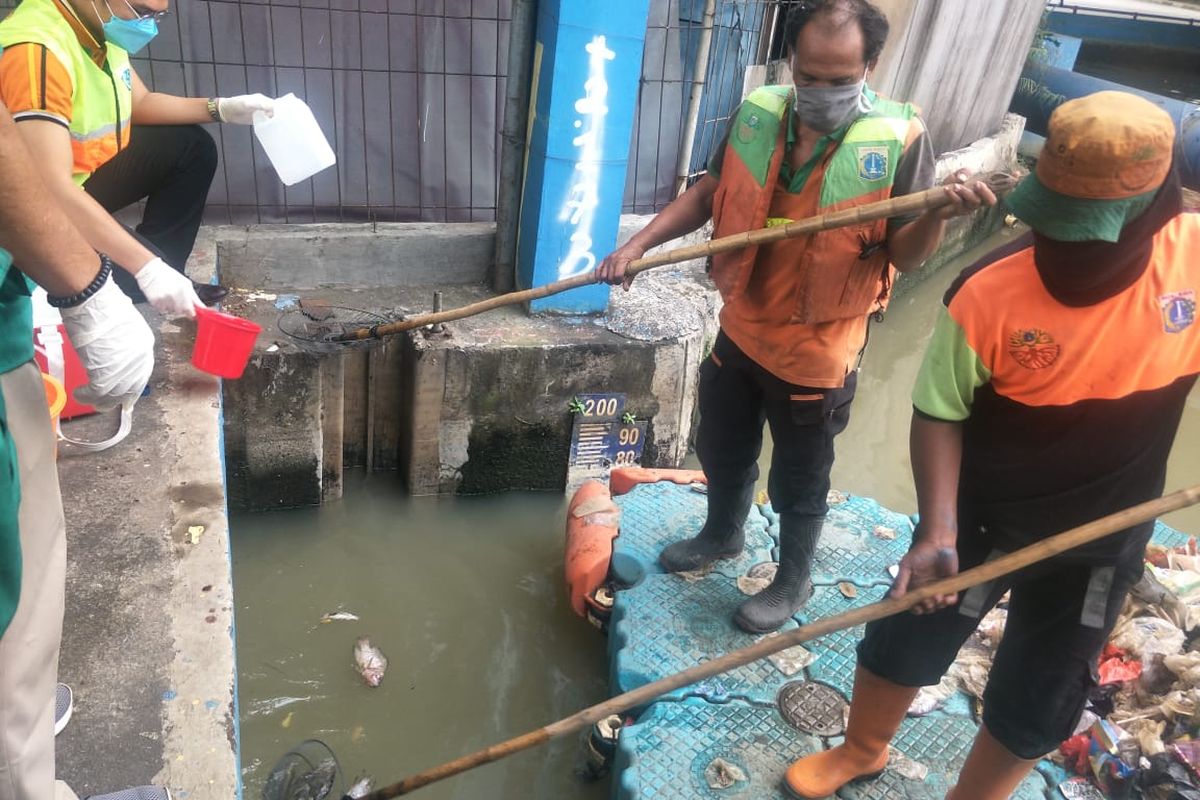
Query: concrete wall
{"type": "Point", "coordinates": [997, 152]}
{"type": "Point", "coordinates": [959, 60]}
{"type": "Point", "coordinates": [306, 257]}
{"type": "Point", "coordinates": [481, 406]}
{"type": "Point", "coordinates": [489, 417]}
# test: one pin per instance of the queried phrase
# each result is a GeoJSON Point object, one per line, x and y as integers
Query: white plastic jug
{"type": "Point", "coordinates": [293, 140]}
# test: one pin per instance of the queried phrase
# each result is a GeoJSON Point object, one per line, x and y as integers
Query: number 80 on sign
{"type": "Point", "coordinates": [626, 445]}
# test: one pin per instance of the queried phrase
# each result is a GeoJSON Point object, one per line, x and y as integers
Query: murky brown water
{"type": "Point", "coordinates": [466, 598]}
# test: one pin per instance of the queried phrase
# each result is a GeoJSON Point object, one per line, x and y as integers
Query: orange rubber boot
{"type": "Point", "coordinates": [877, 708]}
{"type": "Point", "coordinates": [991, 771]}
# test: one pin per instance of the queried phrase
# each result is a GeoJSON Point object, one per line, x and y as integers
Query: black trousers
{"type": "Point", "coordinates": [1060, 615]}
{"type": "Point", "coordinates": [736, 397]}
{"type": "Point", "coordinates": [171, 167]}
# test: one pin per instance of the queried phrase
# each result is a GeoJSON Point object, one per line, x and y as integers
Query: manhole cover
{"type": "Point", "coordinates": [813, 707]}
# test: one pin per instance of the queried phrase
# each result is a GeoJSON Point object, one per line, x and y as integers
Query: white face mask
{"type": "Point", "coordinates": [827, 108]}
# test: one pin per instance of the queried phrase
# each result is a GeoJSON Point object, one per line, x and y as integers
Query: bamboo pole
{"type": "Point", "coordinates": [998, 182]}
{"type": "Point", "coordinates": [989, 571]}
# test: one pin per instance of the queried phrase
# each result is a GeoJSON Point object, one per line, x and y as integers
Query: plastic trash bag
{"type": "Point", "coordinates": [1144, 636]}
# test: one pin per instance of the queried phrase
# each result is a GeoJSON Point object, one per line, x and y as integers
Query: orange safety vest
{"type": "Point", "coordinates": [834, 280]}
{"type": "Point", "coordinates": [1039, 353]}
{"type": "Point", "coordinates": [102, 96]}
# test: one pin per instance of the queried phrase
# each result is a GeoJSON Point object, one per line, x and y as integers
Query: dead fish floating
{"type": "Point", "coordinates": [370, 661]}
{"type": "Point", "coordinates": [361, 788]}
{"type": "Point", "coordinates": [338, 616]}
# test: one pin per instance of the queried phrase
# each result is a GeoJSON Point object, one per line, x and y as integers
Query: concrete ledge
{"type": "Point", "coordinates": [318, 256]}
{"type": "Point", "coordinates": [147, 640]}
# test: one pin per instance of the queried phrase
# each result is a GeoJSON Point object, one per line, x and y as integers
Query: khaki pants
{"type": "Point", "coordinates": [29, 649]}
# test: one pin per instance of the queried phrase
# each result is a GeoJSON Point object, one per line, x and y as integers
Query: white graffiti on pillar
{"type": "Point", "coordinates": [584, 194]}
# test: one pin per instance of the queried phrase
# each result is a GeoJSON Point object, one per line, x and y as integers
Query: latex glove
{"type": "Point", "coordinates": [240, 110]}
{"type": "Point", "coordinates": [115, 345]}
{"type": "Point", "coordinates": [167, 289]}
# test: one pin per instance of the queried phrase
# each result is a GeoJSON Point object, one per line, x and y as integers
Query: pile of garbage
{"type": "Point", "coordinates": [1140, 734]}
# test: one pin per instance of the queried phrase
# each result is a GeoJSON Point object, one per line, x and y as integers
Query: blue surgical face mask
{"type": "Point", "coordinates": [131, 35]}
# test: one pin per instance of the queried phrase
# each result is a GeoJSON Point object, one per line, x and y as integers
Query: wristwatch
{"type": "Point", "coordinates": [213, 110]}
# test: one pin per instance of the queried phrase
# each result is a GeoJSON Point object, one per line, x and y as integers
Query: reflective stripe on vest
{"type": "Point", "coordinates": [101, 98]}
{"type": "Point", "coordinates": [861, 170]}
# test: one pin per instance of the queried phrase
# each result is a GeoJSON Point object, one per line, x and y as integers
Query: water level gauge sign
{"type": "Point", "coordinates": [602, 434]}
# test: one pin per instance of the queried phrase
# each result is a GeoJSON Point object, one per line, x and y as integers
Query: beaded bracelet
{"type": "Point", "coordinates": [93, 287]}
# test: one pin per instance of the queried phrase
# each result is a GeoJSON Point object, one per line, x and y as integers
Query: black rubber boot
{"type": "Point", "coordinates": [792, 587]}
{"type": "Point", "coordinates": [210, 293]}
{"type": "Point", "coordinates": [722, 536]}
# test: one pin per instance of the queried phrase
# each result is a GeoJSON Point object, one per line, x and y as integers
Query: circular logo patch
{"type": "Point", "coordinates": [1033, 348]}
{"type": "Point", "coordinates": [748, 128]}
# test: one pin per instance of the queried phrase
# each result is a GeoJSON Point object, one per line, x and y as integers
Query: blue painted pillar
{"type": "Point", "coordinates": [586, 69]}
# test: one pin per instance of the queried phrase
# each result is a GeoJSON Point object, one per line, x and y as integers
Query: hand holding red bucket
{"type": "Point", "coordinates": [223, 342]}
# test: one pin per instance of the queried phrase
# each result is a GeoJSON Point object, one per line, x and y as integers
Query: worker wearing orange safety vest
{"type": "Point", "coordinates": [103, 141]}
{"type": "Point", "coordinates": [795, 314]}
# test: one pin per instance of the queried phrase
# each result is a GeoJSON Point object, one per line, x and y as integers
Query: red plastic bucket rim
{"type": "Point", "coordinates": [214, 317]}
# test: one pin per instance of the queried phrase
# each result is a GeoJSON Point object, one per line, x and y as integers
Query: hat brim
{"type": "Point", "coordinates": [1072, 219]}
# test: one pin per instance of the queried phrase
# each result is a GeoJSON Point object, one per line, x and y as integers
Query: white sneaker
{"type": "Point", "coordinates": [140, 793]}
{"type": "Point", "coordinates": [64, 703]}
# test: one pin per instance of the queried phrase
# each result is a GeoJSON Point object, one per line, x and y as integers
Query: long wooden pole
{"type": "Point", "coordinates": [1039, 551]}
{"type": "Point", "coordinates": [998, 182]}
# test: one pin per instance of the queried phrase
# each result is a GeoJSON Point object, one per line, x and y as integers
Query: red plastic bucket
{"type": "Point", "coordinates": [223, 343]}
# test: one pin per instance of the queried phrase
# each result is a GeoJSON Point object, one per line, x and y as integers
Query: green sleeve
{"type": "Point", "coordinates": [10, 534]}
{"type": "Point", "coordinates": [950, 373]}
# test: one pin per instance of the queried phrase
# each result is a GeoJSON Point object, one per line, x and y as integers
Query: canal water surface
{"type": "Point", "coordinates": [465, 596]}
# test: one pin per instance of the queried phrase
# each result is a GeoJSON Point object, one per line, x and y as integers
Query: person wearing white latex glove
{"type": "Point", "coordinates": [240, 110]}
{"type": "Point", "coordinates": [167, 290]}
{"type": "Point", "coordinates": [39, 245]}
{"type": "Point", "coordinates": [157, 151]}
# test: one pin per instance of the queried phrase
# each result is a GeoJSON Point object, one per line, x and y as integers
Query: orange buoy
{"type": "Point", "coordinates": [593, 521]}
{"type": "Point", "coordinates": [623, 479]}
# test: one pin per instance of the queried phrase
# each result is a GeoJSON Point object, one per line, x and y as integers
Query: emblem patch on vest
{"type": "Point", "coordinates": [748, 128]}
{"type": "Point", "coordinates": [872, 163]}
{"type": "Point", "coordinates": [127, 78]}
{"type": "Point", "coordinates": [1033, 348]}
{"type": "Point", "coordinates": [1178, 310]}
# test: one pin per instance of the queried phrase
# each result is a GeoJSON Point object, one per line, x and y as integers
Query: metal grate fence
{"type": "Point", "coordinates": [410, 94]}
{"type": "Point", "coordinates": [742, 35]}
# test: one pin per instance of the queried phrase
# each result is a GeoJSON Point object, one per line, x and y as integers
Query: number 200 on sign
{"type": "Point", "coordinates": [600, 407]}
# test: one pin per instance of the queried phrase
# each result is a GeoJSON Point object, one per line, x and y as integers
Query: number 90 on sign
{"type": "Point", "coordinates": [626, 444]}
